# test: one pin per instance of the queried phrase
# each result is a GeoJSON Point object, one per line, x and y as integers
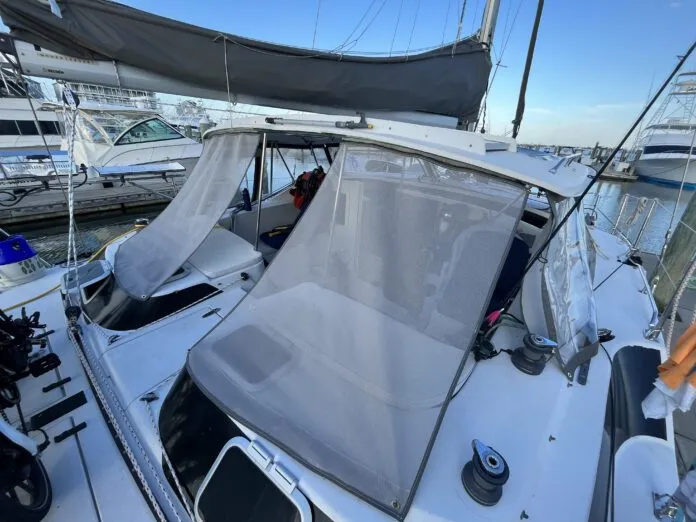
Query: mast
{"type": "Point", "coordinates": [490, 18]}
{"type": "Point", "coordinates": [527, 68]}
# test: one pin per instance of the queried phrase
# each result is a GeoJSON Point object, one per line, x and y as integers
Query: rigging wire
{"type": "Point", "coordinates": [444, 28]}
{"type": "Point", "coordinates": [362, 19]}
{"type": "Point", "coordinates": [473, 19]}
{"type": "Point", "coordinates": [398, 18]}
{"type": "Point", "coordinates": [379, 10]}
{"type": "Point", "coordinates": [459, 27]}
{"type": "Point", "coordinates": [498, 64]}
{"type": "Point", "coordinates": [413, 27]}
{"type": "Point", "coordinates": [316, 24]}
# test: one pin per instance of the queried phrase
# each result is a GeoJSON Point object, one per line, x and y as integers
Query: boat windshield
{"type": "Point", "coordinates": [346, 351]}
{"type": "Point", "coordinates": [105, 126]}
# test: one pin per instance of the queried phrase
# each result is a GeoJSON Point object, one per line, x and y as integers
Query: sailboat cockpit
{"type": "Point", "coordinates": [388, 276]}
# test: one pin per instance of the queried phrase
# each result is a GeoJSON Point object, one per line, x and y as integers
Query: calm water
{"type": "Point", "coordinates": [610, 195]}
{"type": "Point", "coordinates": [51, 242]}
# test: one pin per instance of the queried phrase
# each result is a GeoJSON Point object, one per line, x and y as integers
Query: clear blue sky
{"type": "Point", "coordinates": [594, 64]}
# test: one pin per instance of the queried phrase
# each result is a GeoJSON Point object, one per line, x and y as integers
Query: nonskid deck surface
{"type": "Point", "coordinates": [88, 475]}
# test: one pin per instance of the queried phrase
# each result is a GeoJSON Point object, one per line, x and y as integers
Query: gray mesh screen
{"type": "Point", "coordinates": [149, 258]}
{"type": "Point", "coordinates": [344, 352]}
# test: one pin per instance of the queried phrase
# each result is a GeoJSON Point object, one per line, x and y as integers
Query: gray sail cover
{"type": "Point", "coordinates": [449, 81]}
{"type": "Point", "coordinates": [150, 257]}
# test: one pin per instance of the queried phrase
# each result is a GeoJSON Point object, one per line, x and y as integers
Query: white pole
{"type": "Point", "coordinates": [490, 17]}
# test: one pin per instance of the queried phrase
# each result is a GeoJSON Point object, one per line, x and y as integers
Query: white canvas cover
{"type": "Point", "coordinates": [150, 257]}
{"type": "Point", "coordinates": [346, 350]}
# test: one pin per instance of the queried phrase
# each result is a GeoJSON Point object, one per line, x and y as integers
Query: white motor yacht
{"type": "Point", "coordinates": [112, 135]}
{"type": "Point", "coordinates": [667, 145]}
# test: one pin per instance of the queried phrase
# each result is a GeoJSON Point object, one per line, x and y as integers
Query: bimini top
{"type": "Point", "coordinates": [497, 155]}
{"type": "Point", "coordinates": [348, 349]}
{"type": "Point", "coordinates": [148, 259]}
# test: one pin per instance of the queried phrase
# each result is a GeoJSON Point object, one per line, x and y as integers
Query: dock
{"type": "Point", "coordinates": [52, 205]}
{"type": "Point", "coordinates": [614, 175]}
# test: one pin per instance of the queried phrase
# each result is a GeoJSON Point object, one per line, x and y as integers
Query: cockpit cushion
{"type": "Point", "coordinates": [224, 252]}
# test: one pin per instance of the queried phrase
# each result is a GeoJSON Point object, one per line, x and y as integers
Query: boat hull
{"type": "Point", "coordinates": [667, 169]}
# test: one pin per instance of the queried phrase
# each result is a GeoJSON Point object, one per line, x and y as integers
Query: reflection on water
{"type": "Point", "coordinates": [609, 202]}
{"type": "Point", "coordinates": [51, 243]}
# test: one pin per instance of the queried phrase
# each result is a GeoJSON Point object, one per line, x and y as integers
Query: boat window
{"type": "Point", "coordinates": [680, 149]}
{"type": "Point", "coordinates": [27, 127]}
{"type": "Point", "coordinates": [113, 124]}
{"type": "Point", "coordinates": [86, 131]}
{"type": "Point", "coordinates": [49, 127]}
{"type": "Point", "coordinates": [236, 488]}
{"type": "Point", "coordinates": [110, 307]}
{"type": "Point", "coordinates": [344, 352]}
{"type": "Point", "coordinates": [9, 128]}
{"type": "Point", "coordinates": [187, 416]}
{"type": "Point", "coordinates": [284, 165]}
{"type": "Point", "coordinates": [147, 131]}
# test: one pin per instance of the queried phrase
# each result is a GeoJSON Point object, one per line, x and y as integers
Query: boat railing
{"type": "Point", "coordinates": [630, 223]}
{"type": "Point", "coordinates": [632, 220]}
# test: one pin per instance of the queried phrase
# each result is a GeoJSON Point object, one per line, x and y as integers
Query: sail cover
{"type": "Point", "coordinates": [449, 81]}
{"type": "Point", "coordinates": [345, 352]}
{"type": "Point", "coordinates": [150, 257]}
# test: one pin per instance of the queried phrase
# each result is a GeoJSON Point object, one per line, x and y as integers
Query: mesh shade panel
{"type": "Point", "coordinates": [150, 257]}
{"type": "Point", "coordinates": [344, 352]}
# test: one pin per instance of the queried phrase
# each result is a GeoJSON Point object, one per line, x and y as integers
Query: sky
{"type": "Point", "coordinates": [596, 61]}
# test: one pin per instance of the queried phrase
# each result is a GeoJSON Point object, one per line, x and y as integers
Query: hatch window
{"type": "Point", "coordinates": [147, 131]}
{"type": "Point", "coordinates": [239, 488]}
{"type": "Point", "coordinates": [109, 306]}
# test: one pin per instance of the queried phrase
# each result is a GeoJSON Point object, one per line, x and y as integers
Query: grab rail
{"type": "Point", "coordinates": [653, 330]}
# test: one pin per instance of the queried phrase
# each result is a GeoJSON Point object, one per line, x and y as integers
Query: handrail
{"type": "Point", "coordinates": [653, 330]}
{"type": "Point", "coordinates": [565, 159]}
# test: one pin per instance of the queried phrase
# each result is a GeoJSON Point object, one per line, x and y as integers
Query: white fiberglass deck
{"type": "Point", "coordinates": [89, 477]}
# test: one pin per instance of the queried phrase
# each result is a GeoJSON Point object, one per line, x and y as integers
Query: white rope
{"type": "Point", "coordinates": [675, 305]}
{"type": "Point", "coordinates": [227, 79]}
{"type": "Point", "coordinates": [72, 248]}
